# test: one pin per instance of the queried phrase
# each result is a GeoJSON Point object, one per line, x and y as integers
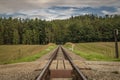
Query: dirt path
{"type": "Point", "coordinates": [20, 71]}
{"type": "Point", "coordinates": [94, 70]}
{"type": "Point", "coordinates": [24, 70]}
{"type": "Point", "coordinates": [101, 70]}
{"type": "Point", "coordinates": [97, 70]}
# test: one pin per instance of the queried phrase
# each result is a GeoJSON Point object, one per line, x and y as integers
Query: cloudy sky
{"type": "Point", "coordinates": [57, 9]}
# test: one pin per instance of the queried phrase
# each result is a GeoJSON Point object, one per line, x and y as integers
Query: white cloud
{"type": "Point", "coordinates": [118, 11]}
{"type": "Point", "coordinates": [16, 5]}
{"type": "Point", "coordinates": [111, 13]}
{"type": "Point", "coordinates": [41, 8]}
{"type": "Point", "coordinates": [48, 14]}
{"type": "Point", "coordinates": [105, 12]}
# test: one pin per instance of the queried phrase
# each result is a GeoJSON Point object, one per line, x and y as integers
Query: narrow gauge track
{"type": "Point", "coordinates": [60, 54]}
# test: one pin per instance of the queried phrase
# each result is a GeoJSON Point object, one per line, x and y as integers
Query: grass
{"type": "Point", "coordinates": [23, 53]}
{"type": "Point", "coordinates": [98, 51]}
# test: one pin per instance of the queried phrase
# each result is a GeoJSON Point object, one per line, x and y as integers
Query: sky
{"type": "Point", "coordinates": [57, 9]}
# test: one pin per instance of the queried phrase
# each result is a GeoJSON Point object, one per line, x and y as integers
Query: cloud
{"type": "Point", "coordinates": [56, 12]}
{"type": "Point", "coordinates": [17, 5]}
{"type": "Point", "coordinates": [111, 13]}
{"type": "Point", "coordinates": [57, 9]}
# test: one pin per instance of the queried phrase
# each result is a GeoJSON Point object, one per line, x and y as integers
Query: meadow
{"type": "Point", "coordinates": [100, 51]}
{"type": "Point", "coordinates": [23, 53]}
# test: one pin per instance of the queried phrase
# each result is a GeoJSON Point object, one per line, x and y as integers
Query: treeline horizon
{"type": "Point", "coordinates": [83, 28]}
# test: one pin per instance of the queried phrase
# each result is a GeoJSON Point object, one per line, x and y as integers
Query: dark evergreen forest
{"type": "Point", "coordinates": [87, 28]}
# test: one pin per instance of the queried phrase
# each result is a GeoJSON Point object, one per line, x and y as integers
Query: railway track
{"type": "Point", "coordinates": [60, 67]}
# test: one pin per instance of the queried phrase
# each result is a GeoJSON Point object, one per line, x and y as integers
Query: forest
{"type": "Point", "coordinates": [83, 28]}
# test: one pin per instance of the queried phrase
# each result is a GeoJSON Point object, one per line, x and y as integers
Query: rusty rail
{"type": "Point", "coordinates": [45, 72]}
{"type": "Point", "coordinates": [79, 75]}
{"type": "Point", "coordinates": [41, 76]}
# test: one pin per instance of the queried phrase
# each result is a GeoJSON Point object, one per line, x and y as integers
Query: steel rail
{"type": "Point", "coordinates": [80, 74]}
{"type": "Point", "coordinates": [42, 73]}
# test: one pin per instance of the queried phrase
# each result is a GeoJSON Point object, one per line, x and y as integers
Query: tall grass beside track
{"type": "Point", "coordinates": [102, 51]}
{"type": "Point", "coordinates": [23, 53]}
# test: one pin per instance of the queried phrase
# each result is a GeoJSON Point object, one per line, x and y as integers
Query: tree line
{"type": "Point", "coordinates": [83, 28]}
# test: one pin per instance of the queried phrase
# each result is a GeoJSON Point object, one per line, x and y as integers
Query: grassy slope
{"type": "Point", "coordinates": [23, 53]}
{"type": "Point", "coordinates": [95, 51]}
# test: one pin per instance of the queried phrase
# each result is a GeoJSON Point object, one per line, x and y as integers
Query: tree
{"type": "Point", "coordinates": [16, 38]}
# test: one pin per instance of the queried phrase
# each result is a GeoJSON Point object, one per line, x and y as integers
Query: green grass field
{"type": "Point", "coordinates": [103, 51]}
{"type": "Point", "coordinates": [23, 53]}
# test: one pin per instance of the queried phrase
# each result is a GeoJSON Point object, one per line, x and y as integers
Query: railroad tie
{"type": "Point", "coordinates": [60, 69]}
